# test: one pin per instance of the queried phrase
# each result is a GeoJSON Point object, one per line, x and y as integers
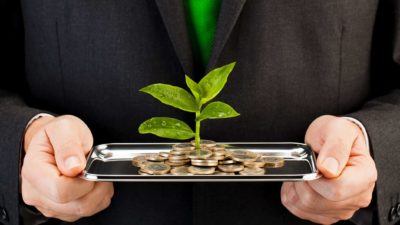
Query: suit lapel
{"type": "Point", "coordinates": [173, 15]}
{"type": "Point", "coordinates": [230, 11]}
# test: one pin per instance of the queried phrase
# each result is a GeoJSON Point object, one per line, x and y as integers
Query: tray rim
{"type": "Point", "coordinates": [202, 178]}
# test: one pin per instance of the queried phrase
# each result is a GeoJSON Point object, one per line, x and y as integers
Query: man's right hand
{"type": "Point", "coordinates": [55, 155]}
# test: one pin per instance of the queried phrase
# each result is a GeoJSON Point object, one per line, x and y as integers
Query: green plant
{"type": "Point", "coordinates": [203, 92]}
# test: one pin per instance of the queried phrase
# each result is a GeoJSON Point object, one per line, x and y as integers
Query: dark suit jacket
{"type": "Point", "coordinates": [296, 60]}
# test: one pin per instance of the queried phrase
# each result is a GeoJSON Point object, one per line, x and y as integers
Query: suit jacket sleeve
{"type": "Point", "coordinates": [381, 116]}
{"type": "Point", "coordinates": [14, 112]}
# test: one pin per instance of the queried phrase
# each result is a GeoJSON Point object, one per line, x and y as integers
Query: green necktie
{"type": "Point", "coordinates": [202, 18]}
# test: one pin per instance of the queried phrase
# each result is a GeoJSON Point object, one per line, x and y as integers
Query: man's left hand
{"type": "Point", "coordinates": [349, 174]}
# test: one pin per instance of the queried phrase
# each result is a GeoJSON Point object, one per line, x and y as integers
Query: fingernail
{"type": "Point", "coordinates": [331, 164]}
{"type": "Point", "coordinates": [72, 162]}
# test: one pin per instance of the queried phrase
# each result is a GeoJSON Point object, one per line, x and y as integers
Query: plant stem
{"type": "Point", "coordinates": [197, 133]}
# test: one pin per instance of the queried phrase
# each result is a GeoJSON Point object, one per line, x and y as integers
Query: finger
{"type": "Point", "coordinates": [311, 201]}
{"type": "Point", "coordinates": [302, 209]}
{"type": "Point", "coordinates": [350, 183]}
{"type": "Point", "coordinates": [316, 133]}
{"type": "Point", "coordinates": [291, 205]}
{"type": "Point", "coordinates": [41, 172]}
{"type": "Point", "coordinates": [71, 139]}
{"type": "Point", "coordinates": [51, 214]}
{"type": "Point", "coordinates": [335, 152]}
{"type": "Point", "coordinates": [32, 197]}
{"type": "Point", "coordinates": [88, 205]}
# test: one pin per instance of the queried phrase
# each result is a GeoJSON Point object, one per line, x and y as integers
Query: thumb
{"type": "Point", "coordinates": [334, 155]}
{"type": "Point", "coordinates": [71, 139]}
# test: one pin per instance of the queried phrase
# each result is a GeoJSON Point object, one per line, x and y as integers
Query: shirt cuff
{"type": "Point", "coordinates": [361, 126]}
{"type": "Point", "coordinates": [37, 117]}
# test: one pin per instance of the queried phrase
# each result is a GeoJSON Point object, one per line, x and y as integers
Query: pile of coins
{"type": "Point", "coordinates": [212, 158]}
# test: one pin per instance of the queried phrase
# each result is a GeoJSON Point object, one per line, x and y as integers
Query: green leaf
{"type": "Point", "coordinates": [194, 87]}
{"type": "Point", "coordinates": [166, 127]}
{"type": "Point", "coordinates": [214, 81]}
{"type": "Point", "coordinates": [173, 96]}
{"type": "Point", "coordinates": [217, 110]}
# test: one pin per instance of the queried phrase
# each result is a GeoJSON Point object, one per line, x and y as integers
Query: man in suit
{"type": "Point", "coordinates": [319, 71]}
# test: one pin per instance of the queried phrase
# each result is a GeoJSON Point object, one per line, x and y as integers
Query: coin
{"type": "Point", "coordinates": [174, 152]}
{"type": "Point", "coordinates": [204, 162]}
{"type": "Point", "coordinates": [274, 162]}
{"type": "Point", "coordinates": [258, 163]}
{"type": "Point", "coordinates": [227, 161]}
{"type": "Point", "coordinates": [218, 147]}
{"type": "Point", "coordinates": [201, 170]}
{"type": "Point", "coordinates": [181, 171]}
{"type": "Point", "coordinates": [205, 143]}
{"type": "Point", "coordinates": [178, 157]}
{"type": "Point", "coordinates": [183, 147]}
{"type": "Point", "coordinates": [219, 153]}
{"type": "Point", "coordinates": [179, 160]}
{"type": "Point", "coordinates": [144, 163]}
{"type": "Point", "coordinates": [200, 154]}
{"type": "Point", "coordinates": [164, 154]}
{"type": "Point", "coordinates": [177, 163]}
{"type": "Point", "coordinates": [231, 168]}
{"type": "Point", "coordinates": [142, 172]}
{"type": "Point", "coordinates": [252, 171]}
{"type": "Point", "coordinates": [223, 173]}
{"type": "Point", "coordinates": [250, 157]}
{"type": "Point", "coordinates": [217, 157]}
{"type": "Point", "coordinates": [236, 152]}
{"type": "Point", "coordinates": [156, 168]}
{"type": "Point", "coordinates": [154, 157]}
{"type": "Point", "coordinates": [137, 161]}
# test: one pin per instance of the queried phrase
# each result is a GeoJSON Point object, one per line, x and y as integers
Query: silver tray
{"type": "Point", "coordinates": [112, 162]}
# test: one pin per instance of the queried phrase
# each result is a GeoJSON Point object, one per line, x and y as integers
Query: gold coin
{"type": "Point", "coordinates": [178, 157]}
{"type": "Point", "coordinates": [183, 147]}
{"type": "Point", "coordinates": [177, 163]}
{"type": "Point", "coordinates": [155, 157]}
{"type": "Point", "coordinates": [144, 163]}
{"type": "Point", "coordinates": [164, 154]}
{"type": "Point", "coordinates": [201, 170]}
{"type": "Point", "coordinates": [274, 162]}
{"type": "Point", "coordinates": [220, 173]}
{"type": "Point", "coordinates": [181, 171]}
{"type": "Point", "coordinates": [217, 157]}
{"type": "Point", "coordinates": [142, 172]}
{"type": "Point", "coordinates": [236, 152]}
{"type": "Point", "coordinates": [174, 152]}
{"type": "Point", "coordinates": [200, 154]}
{"type": "Point", "coordinates": [204, 143]}
{"type": "Point", "coordinates": [252, 171]}
{"type": "Point", "coordinates": [258, 163]}
{"type": "Point", "coordinates": [136, 161]}
{"type": "Point", "coordinates": [231, 168]}
{"type": "Point", "coordinates": [218, 147]}
{"type": "Point", "coordinates": [250, 157]}
{"type": "Point", "coordinates": [179, 160]}
{"type": "Point", "coordinates": [227, 161]}
{"type": "Point", "coordinates": [156, 168]}
{"type": "Point", "coordinates": [219, 153]}
{"type": "Point", "coordinates": [204, 162]}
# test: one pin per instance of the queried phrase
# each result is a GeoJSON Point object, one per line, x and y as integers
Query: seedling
{"type": "Point", "coordinates": [203, 92]}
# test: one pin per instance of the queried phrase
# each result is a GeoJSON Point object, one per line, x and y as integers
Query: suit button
{"type": "Point", "coordinates": [398, 209]}
{"type": "Point", "coordinates": [3, 214]}
{"type": "Point", "coordinates": [392, 214]}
